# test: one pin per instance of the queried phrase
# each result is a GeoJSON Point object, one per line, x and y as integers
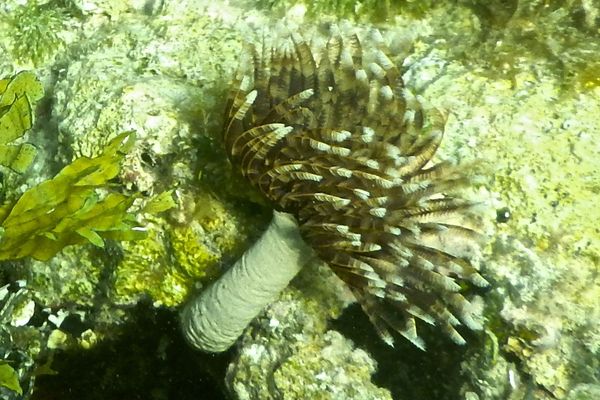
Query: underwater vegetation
{"type": "Point", "coordinates": [513, 35]}
{"type": "Point", "coordinates": [75, 206]}
{"type": "Point", "coordinates": [83, 203]}
{"type": "Point", "coordinates": [9, 378]}
{"type": "Point", "coordinates": [35, 30]}
{"type": "Point", "coordinates": [508, 36]}
{"type": "Point", "coordinates": [362, 10]}
{"type": "Point", "coordinates": [18, 95]}
{"type": "Point", "coordinates": [171, 258]}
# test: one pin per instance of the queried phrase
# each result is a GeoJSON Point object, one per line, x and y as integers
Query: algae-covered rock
{"type": "Point", "coordinates": [166, 87]}
{"type": "Point", "coordinates": [289, 353]}
{"type": "Point", "coordinates": [519, 84]}
{"type": "Point", "coordinates": [173, 259]}
{"type": "Point", "coordinates": [143, 89]}
{"type": "Point", "coordinates": [584, 392]}
{"type": "Point", "coordinates": [18, 97]}
{"type": "Point", "coordinates": [543, 258]}
{"type": "Point", "coordinates": [331, 368]}
{"type": "Point", "coordinates": [517, 34]}
{"type": "Point", "coordinates": [373, 11]}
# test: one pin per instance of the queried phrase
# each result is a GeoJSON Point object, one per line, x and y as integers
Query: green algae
{"type": "Point", "coordinates": [9, 378]}
{"type": "Point", "coordinates": [159, 203]}
{"type": "Point", "coordinates": [557, 35]}
{"type": "Point", "coordinates": [359, 10]}
{"type": "Point", "coordinates": [142, 270]}
{"type": "Point", "coordinates": [35, 31]}
{"type": "Point", "coordinates": [174, 257]}
{"type": "Point", "coordinates": [195, 260]}
{"type": "Point", "coordinates": [74, 207]}
{"type": "Point", "coordinates": [18, 95]}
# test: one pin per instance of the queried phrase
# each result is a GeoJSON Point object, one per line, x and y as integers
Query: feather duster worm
{"type": "Point", "coordinates": [328, 135]}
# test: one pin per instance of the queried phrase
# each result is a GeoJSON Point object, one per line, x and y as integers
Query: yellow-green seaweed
{"type": "Point", "coordinates": [18, 94]}
{"type": "Point", "coordinates": [159, 203]}
{"type": "Point", "coordinates": [9, 378]}
{"type": "Point", "coordinates": [74, 207]}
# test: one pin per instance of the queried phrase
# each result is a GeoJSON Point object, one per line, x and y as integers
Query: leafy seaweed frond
{"type": "Point", "coordinates": [18, 95]}
{"type": "Point", "coordinates": [74, 207]}
{"type": "Point", "coordinates": [9, 378]}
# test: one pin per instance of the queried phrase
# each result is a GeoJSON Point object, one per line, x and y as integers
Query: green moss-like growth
{"type": "Point", "coordinates": [143, 270]}
{"type": "Point", "coordinates": [74, 207]}
{"type": "Point", "coordinates": [35, 31]}
{"type": "Point", "coordinates": [168, 263]}
{"type": "Point", "coordinates": [360, 10]}
{"type": "Point", "coordinates": [165, 268]}
{"type": "Point", "coordinates": [18, 95]}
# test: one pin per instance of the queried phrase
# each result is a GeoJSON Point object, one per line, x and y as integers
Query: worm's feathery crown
{"type": "Point", "coordinates": [329, 135]}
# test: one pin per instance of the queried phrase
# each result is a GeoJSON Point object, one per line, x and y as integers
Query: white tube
{"type": "Point", "coordinates": [217, 317]}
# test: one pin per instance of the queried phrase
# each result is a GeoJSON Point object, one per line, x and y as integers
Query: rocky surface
{"type": "Point", "coordinates": [520, 87]}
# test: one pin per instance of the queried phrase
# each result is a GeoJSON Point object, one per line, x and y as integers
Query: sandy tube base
{"type": "Point", "coordinates": [217, 317]}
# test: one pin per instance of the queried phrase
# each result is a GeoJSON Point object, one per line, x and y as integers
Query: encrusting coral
{"type": "Point", "coordinates": [330, 135]}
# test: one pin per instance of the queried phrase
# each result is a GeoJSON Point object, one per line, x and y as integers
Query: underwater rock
{"type": "Point", "coordinates": [288, 351]}
{"type": "Point", "coordinates": [20, 343]}
{"type": "Point", "coordinates": [542, 260]}
{"type": "Point", "coordinates": [518, 86]}
{"type": "Point", "coordinates": [584, 392]}
{"type": "Point", "coordinates": [142, 90]}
